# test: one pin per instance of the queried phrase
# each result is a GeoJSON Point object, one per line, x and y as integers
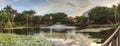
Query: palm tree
{"type": "Point", "coordinates": [115, 12]}
{"type": "Point", "coordinates": [29, 14]}
{"type": "Point", "coordinates": [10, 12]}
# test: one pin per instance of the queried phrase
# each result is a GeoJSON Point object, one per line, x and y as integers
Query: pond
{"type": "Point", "coordinates": [58, 38]}
{"type": "Point", "coordinates": [31, 31]}
{"type": "Point", "coordinates": [59, 28]}
{"type": "Point", "coordinates": [47, 39]}
{"type": "Point", "coordinates": [62, 38]}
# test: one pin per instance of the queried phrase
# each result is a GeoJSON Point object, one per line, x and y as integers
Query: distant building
{"type": "Point", "coordinates": [86, 13]}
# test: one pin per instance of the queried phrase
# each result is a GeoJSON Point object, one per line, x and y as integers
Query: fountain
{"type": "Point", "coordinates": [60, 27]}
{"type": "Point", "coordinates": [66, 39]}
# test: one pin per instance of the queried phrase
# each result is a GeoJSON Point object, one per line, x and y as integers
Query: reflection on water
{"type": "Point", "coordinates": [24, 31]}
{"type": "Point", "coordinates": [59, 39]}
{"type": "Point", "coordinates": [31, 31]}
{"type": "Point", "coordinates": [63, 39]}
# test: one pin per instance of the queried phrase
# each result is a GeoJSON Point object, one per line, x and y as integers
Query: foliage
{"type": "Point", "coordinates": [101, 15]}
{"type": "Point", "coordinates": [25, 17]}
{"type": "Point", "coordinates": [9, 11]}
{"type": "Point", "coordinates": [36, 19]}
{"type": "Point", "coordinates": [54, 18]}
{"type": "Point", "coordinates": [81, 21]}
{"type": "Point", "coordinates": [20, 18]}
{"type": "Point", "coordinates": [118, 13]}
{"type": "Point", "coordinates": [59, 17]}
{"type": "Point", "coordinates": [70, 22]}
{"type": "Point", "coordinates": [29, 14]}
{"type": "Point", "coordinates": [103, 35]}
{"type": "Point", "coordinates": [7, 15]}
{"type": "Point", "coordinates": [3, 17]}
{"type": "Point", "coordinates": [46, 19]}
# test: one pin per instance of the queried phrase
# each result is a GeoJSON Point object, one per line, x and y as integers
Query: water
{"type": "Point", "coordinates": [24, 31]}
{"type": "Point", "coordinates": [60, 38]}
{"type": "Point", "coordinates": [32, 31]}
{"type": "Point", "coordinates": [69, 40]}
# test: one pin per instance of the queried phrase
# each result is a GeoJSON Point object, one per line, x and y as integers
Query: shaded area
{"type": "Point", "coordinates": [22, 31]}
{"type": "Point", "coordinates": [103, 35]}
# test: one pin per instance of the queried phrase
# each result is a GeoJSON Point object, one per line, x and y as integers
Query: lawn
{"type": "Point", "coordinates": [16, 28]}
{"type": "Point", "coordinates": [95, 29]}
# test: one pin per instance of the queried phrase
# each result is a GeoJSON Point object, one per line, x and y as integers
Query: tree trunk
{"type": "Point", "coordinates": [10, 25]}
{"type": "Point", "coordinates": [0, 26]}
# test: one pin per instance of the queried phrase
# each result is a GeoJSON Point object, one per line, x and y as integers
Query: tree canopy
{"type": "Point", "coordinates": [101, 15]}
{"type": "Point", "coordinates": [97, 15]}
{"type": "Point", "coordinates": [55, 17]}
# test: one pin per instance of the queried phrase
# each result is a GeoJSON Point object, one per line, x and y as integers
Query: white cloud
{"type": "Point", "coordinates": [72, 7]}
{"type": "Point", "coordinates": [5, 2]}
{"type": "Point", "coordinates": [2, 2]}
{"type": "Point", "coordinates": [15, 0]}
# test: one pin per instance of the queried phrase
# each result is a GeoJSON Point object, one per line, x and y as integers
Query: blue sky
{"type": "Point", "coordinates": [70, 7]}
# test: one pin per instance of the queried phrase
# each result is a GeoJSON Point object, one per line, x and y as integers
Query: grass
{"type": "Point", "coordinates": [95, 29]}
{"type": "Point", "coordinates": [16, 28]}
{"type": "Point", "coordinates": [41, 40]}
{"type": "Point", "coordinates": [23, 40]}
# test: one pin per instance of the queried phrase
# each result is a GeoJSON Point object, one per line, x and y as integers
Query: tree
{"type": "Point", "coordinates": [3, 18]}
{"type": "Point", "coordinates": [46, 18]}
{"type": "Point", "coordinates": [29, 14]}
{"type": "Point", "coordinates": [9, 12]}
{"type": "Point", "coordinates": [36, 20]}
{"type": "Point", "coordinates": [54, 18]}
{"type": "Point", "coordinates": [20, 18]}
{"type": "Point", "coordinates": [59, 17]}
{"type": "Point", "coordinates": [118, 13]}
{"type": "Point", "coordinates": [101, 15]}
{"type": "Point", "coordinates": [81, 21]}
{"type": "Point", "coordinates": [115, 13]}
{"type": "Point", "coordinates": [70, 21]}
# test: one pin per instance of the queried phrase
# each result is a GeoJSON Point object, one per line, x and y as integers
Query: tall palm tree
{"type": "Point", "coordinates": [10, 12]}
{"type": "Point", "coordinates": [30, 14]}
{"type": "Point", "coordinates": [115, 12]}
